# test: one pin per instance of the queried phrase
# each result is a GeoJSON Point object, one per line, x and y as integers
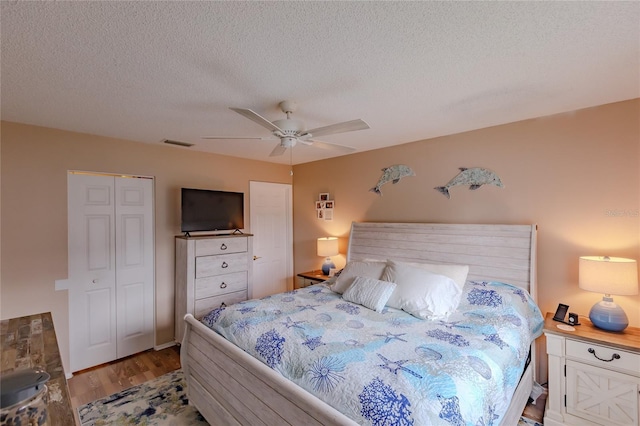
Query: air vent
{"type": "Point", "coordinates": [179, 143]}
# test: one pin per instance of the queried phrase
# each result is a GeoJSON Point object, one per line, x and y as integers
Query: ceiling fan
{"type": "Point", "coordinates": [291, 131]}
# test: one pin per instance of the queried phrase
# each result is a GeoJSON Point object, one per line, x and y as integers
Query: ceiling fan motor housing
{"type": "Point", "coordinates": [290, 125]}
{"type": "Point", "coordinates": [290, 130]}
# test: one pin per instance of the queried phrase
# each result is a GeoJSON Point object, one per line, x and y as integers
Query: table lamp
{"type": "Point", "coordinates": [608, 275]}
{"type": "Point", "coordinates": [327, 247]}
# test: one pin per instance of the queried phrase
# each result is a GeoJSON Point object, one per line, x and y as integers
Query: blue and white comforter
{"type": "Point", "coordinates": [391, 368]}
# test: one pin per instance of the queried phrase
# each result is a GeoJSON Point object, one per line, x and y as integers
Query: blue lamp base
{"type": "Point", "coordinates": [327, 265]}
{"type": "Point", "coordinates": [607, 315]}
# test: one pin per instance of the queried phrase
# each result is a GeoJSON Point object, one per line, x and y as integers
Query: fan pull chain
{"type": "Point", "coordinates": [291, 161]}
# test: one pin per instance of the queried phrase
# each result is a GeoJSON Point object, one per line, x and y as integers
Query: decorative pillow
{"type": "Point", "coordinates": [357, 269]}
{"type": "Point", "coordinates": [457, 273]}
{"type": "Point", "coordinates": [369, 292]}
{"type": "Point", "coordinates": [421, 293]}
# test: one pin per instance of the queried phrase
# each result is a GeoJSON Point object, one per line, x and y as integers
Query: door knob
{"type": "Point", "coordinates": [257, 257]}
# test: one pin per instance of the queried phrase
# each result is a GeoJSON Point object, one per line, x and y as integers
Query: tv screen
{"type": "Point", "coordinates": [206, 210]}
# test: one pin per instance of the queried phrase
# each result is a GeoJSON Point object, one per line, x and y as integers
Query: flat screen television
{"type": "Point", "coordinates": [208, 210]}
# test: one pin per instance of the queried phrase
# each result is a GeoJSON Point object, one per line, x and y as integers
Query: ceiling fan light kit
{"type": "Point", "coordinates": [291, 131]}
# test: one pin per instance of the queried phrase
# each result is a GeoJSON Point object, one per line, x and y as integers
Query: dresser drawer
{"type": "Point", "coordinates": [203, 306]}
{"type": "Point", "coordinates": [220, 284]}
{"type": "Point", "coordinates": [603, 356]}
{"type": "Point", "coordinates": [225, 264]}
{"type": "Point", "coordinates": [221, 246]}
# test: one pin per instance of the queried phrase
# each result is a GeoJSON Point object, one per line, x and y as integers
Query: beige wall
{"type": "Point", "coordinates": [34, 164]}
{"type": "Point", "coordinates": [576, 175]}
{"type": "Point", "coordinates": [567, 173]}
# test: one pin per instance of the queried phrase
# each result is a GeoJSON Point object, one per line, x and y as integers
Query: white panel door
{"type": "Point", "coordinates": [92, 276]}
{"type": "Point", "coordinates": [111, 270]}
{"type": "Point", "coordinates": [134, 265]}
{"type": "Point", "coordinates": [271, 225]}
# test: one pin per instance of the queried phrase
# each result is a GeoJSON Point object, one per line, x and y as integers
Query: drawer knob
{"type": "Point", "coordinates": [225, 265]}
{"type": "Point", "coordinates": [223, 285]}
{"type": "Point", "coordinates": [223, 246]}
{"type": "Point", "coordinates": [593, 351]}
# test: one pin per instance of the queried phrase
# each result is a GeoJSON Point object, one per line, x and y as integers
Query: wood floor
{"type": "Point", "coordinates": [536, 411]}
{"type": "Point", "coordinates": [103, 380]}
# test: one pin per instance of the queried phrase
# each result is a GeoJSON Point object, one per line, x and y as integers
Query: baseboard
{"type": "Point", "coordinates": [164, 346]}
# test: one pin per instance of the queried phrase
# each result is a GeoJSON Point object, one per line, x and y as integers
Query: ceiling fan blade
{"type": "Point", "coordinates": [227, 137]}
{"type": "Point", "coordinates": [257, 118]}
{"type": "Point", "coordinates": [332, 146]}
{"type": "Point", "coordinates": [278, 150]}
{"type": "Point", "coordinates": [347, 126]}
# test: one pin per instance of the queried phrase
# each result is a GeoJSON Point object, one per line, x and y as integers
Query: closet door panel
{"type": "Point", "coordinates": [92, 314]}
{"type": "Point", "coordinates": [134, 265]}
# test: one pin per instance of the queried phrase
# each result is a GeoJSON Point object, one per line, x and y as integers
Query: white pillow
{"type": "Point", "coordinates": [421, 293]}
{"type": "Point", "coordinates": [369, 292]}
{"type": "Point", "coordinates": [357, 269]}
{"type": "Point", "coordinates": [457, 273]}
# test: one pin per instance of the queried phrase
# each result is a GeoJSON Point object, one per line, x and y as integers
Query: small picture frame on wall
{"type": "Point", "coordinates": [320, 205]}
{"type": "Point", "coordinates": [328, 214]}
{"type": "Point", "coordinates": [320, 213]}
{"type": "Point", "coordinates": [324, 196]}
{"type": "Point", "coordinates": [329, 204]}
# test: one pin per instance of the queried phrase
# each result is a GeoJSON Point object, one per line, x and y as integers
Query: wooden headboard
{"type": "Point", "coordinates": [505, 253]}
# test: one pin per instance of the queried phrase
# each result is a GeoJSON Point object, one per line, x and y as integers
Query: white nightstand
{"type": "Point", "coordinates": [309, 278]}
{"type": "Point", "coordinates": [594, 375]}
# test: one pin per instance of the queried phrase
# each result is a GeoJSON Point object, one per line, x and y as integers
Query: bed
{"type": "Point", "coordinates": [230, 386]}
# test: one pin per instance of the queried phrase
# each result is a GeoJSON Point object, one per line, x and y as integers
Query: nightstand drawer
{"type": "Point", "coordinates": [305, 282]}
{"type": "Point", "coordinates": [305, 279]}
{"type": "Point", "coordinates": [604, 357]}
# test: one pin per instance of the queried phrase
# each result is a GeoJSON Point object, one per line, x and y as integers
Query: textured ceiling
{"type": "Point", "coordinates": [148, 71]}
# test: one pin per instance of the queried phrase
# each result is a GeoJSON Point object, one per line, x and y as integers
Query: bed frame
{"type": "Point", "coordinates": [230, 387]}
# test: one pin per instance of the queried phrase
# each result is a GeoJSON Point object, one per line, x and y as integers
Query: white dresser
{"type": "Point", "coordinates": [594, 375]}
{"type": "Point", "coordinates": [210, 271]}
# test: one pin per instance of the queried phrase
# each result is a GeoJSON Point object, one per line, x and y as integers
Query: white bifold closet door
{"type": "Point", "coordinates": [111, 271]}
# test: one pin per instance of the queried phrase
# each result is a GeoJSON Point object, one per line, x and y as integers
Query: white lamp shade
{"type": "Point", "coordinates": [608, 275]}
{"type": "Point", "coordinates": [327, 246]}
